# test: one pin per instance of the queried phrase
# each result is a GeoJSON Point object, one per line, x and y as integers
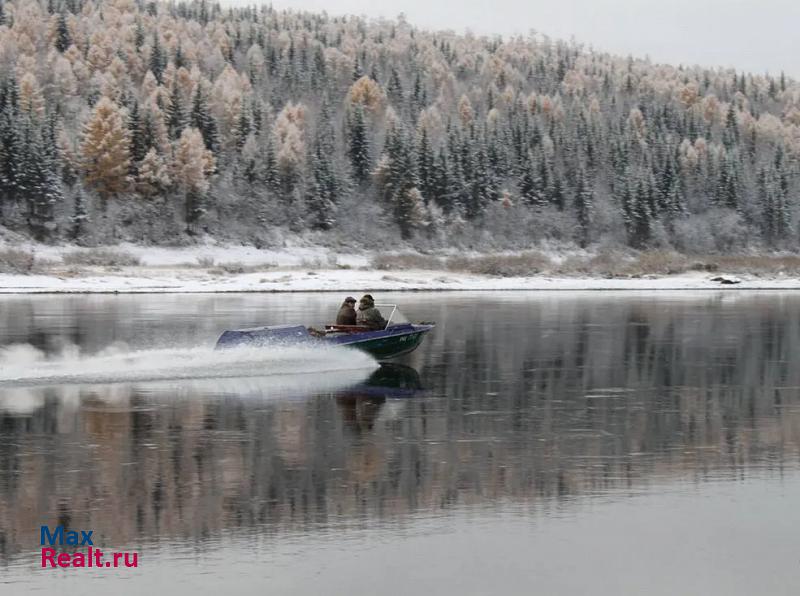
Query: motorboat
{"type": "Point", "coordinates": [398, 337]}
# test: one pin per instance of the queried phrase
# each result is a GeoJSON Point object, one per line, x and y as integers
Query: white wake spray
{"type": "Point", "coordinates": [24, 366]}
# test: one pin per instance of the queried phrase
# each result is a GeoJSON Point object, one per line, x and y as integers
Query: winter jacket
{"type": "Point", "coordinates": [370, 317]}
{"type": "Point", "coordinates": [346, 316]}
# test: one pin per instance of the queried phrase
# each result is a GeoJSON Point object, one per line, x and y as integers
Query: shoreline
{"type": "Point", "coordinates": [218, 269]}
{"type": "Point", "coordinates": [143, 280]}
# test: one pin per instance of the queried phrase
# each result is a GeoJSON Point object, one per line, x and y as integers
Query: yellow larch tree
{"type": "Point", "coordinates": [105, 149]}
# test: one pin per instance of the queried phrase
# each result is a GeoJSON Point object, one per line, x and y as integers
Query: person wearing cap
{"type": "Point", "coordinates": [369, 316]}
{"type": "Point", "coordinates": [347, 312]}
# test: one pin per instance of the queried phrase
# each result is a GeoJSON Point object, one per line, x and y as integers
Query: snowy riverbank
{"type": "Point", "coordinates": [183, 281]}
{"type": "Point", "coordinates": [212, 268]}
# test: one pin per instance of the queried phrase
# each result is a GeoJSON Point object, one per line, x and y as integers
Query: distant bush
{"type": "Point", "coordinates": [626, 263]}
{"type": "Point", "coordinates": [233, 267]}
{"type": "Point", "coordinates": [518, 265]}
{"type": "Point", "coordinates": [101, 257]}
{"type": "Point", "coordinates": [386, 262]}
{"type": "Point", "coordinates": [770, 264]}
{"type": "Point", "coordinates": [16, 261]}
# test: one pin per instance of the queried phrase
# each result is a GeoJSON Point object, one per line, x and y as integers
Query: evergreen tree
{"type": "Point", "coordinates": [636, 201]}
{"type": "Point", "coordinates": [176, 117]}
{"type": "Point", "coordinates": [63, 39]}
{"type": "Point", "coordinates": [139, 144]}
{"type": "Point", "coordinates": [529, 185]}
{"type": "Point", "coordinates": [727, 191]}
{"type": "Point", "coordinates": [202, 119]}
{"type": "Point", "coordinates": [358, 144]}
{"type": "Point", "coordinates": [442, 191]}
{"type": "Point", "coordinates": [180, 59]}
{"type": "Point", "coordinates": [426, 166]}
{"type": "Point", "coordinates": [323, 192]}
{"type": "Point", "coordinates": [10, 141]}
{"type": "Point", "coordinates": [38, 180]}
{"type": "Point", "coordinates": [138, 39]}
{"type": "Point", "coordinates": [158, 59]}
{"type": "Point", "coordinates": [243, 128]}
{"type": "Point", "coordinates": [79, 220]}
{"type": "Point", "coordinates": [775, 217]}
{"type": "Point", "coordinates": [394, 89]}
{"type": "Point", "coordinates": [584, 201]}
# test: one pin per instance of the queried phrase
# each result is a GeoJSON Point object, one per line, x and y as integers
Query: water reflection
{"type": "Point", "coordinates": [522, 400]}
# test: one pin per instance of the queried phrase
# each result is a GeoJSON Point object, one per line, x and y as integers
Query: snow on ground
{"type": "Point", "coordinates": [304, 268]}
{"type": "Point", "coordinates": [156, 256]}
{"type": "Point", "coordinates": [140, 279]}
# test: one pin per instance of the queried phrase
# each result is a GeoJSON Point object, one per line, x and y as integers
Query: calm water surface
{"type": "Point", "coordinates": [555, 443]}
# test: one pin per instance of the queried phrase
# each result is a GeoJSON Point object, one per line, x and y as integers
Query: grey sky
{"type": "Point", "coordinates": [749, 35]}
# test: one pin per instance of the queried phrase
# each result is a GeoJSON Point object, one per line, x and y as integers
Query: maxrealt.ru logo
{"type": "Point", "coordinates": [91, 557]}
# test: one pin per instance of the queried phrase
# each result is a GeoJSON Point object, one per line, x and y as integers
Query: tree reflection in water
{"type": "Point", "coordinates": [530, 401]}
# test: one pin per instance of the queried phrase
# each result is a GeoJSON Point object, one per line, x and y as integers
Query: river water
{"type": "Point", "coordinates": [551, 443]}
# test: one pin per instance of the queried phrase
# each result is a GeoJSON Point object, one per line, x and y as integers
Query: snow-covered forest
{"type": "Point", "coordinates": [154, 122]}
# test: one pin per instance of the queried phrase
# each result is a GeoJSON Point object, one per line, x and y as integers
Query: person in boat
{"type": "Point", "coordinates": [369, 316]}
{"type": "Point", "coordinates": [347, 312]}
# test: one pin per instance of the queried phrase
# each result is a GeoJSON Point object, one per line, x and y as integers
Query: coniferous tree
{"type": "Point", "coordinates": [176, 117]}
{"type": "Point", "coordinates": [358, 144]}
{"type": "Point", "coordinates": [63, 39]}
{"type": "Point", "coordinates": [79, 219]}
{"type": "Point", "coordinates": [139, 144]}
{"type": "Point", "coordinates": [202, 119]}
{"type": "Point", "coordinates": [10, 139]}
{"type": "Point", "coordinates": [323, 191]}
{"type": "Point", "coordinates": [243, 128]}
{"type": "Point", "coordinates": [426, 166]}
{"type": "Point", "coordinates": [138, 39]}
{"type": "Point", "coordinates": [636, 201]}
{"type": "Point", "coordinates": [584, 201]}
{"type": "Point", "coordinates": [158, 60]}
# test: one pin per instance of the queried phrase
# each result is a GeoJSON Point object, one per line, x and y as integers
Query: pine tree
{"type": "Point", "coordinates": [322, 195]}
{"type": "Point", "coordinates": [731, 135]}
{"type": "Point", "coordinates": [79, 220]}
{"type": "Point", "coordinates": [243, 128]}
{"type": "Point", "coordinates": [176, 117]}
{"type": "Point", "coordinates": [139, 145]}
{"type": "Point", "coordinates": [180, 59]}
{"type": "Point", "coordinates": [584, 202]}
{"type": "Point", "coordinates": [530, 185]}
{"type": "Point", "coordinates": [11, 142]}
{"type": "Point", "coordinates": [358, 144]}
{"type": "Point", "coordinates": [442, 175]}
{"type": "Point", "coordinates": [727, 191]}
{"type": "Point", "coordinates": [63, 39]}
{"type": "Point", "coordinates": [38, 180]}
{"type": "Point", "coordinates": [394, 89]}
{"type": "Point", "coordinates": [636, 201]}
{"type": "Point", "coordinates": [105, 149]}
{"type": "Point", "coordinates": [202, 120]}
{"type": "Point", "coordinates": [426, 166]}
{"type": "Point", "coordinates": [138, 39]}
{"type": "Point", "coordinates": [158, 59]}
{"type": "Point", "coordinates": [557, 194]}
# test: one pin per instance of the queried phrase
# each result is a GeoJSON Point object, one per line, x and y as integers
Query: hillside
{"type": "Point", "coordinates": [161, 123]}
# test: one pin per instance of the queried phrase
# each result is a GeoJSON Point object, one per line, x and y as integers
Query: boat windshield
{"type": "Point", "coordinates": [392, 314]}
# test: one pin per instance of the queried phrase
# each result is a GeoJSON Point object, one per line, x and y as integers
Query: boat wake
{"type": "Point", "coordinates": [25, 366]}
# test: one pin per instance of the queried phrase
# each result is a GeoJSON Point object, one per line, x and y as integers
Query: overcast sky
{"type": "Point", "coordinates": [749, 35]}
